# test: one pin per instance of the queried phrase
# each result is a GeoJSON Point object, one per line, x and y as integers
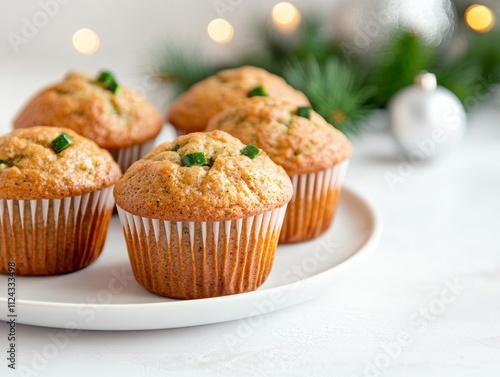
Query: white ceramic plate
{"type": "Point", "coordinates": [105, 296]}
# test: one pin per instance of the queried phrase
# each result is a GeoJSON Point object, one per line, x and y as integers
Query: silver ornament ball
{"type": "Point", "coordinates": [427, 120]}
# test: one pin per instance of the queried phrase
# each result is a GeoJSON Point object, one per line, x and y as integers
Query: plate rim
{"type": "Point", "coordinates": [367, 248]}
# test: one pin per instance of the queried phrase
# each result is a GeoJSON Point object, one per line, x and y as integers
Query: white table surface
{"type": "Point", "coordinates": [388, 318]}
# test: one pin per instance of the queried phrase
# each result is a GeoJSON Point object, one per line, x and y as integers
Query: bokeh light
{"type": "Point", "coordinates": [86, 41]}
{"type": "Point", "coordinates": [479, 18]}
{"type": "Point", "coordinates": [220, 30]}
{"type": "Point", "coordinates": [286, 16]}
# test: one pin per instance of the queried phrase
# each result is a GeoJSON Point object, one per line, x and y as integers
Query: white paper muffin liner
{"type": "Point", "coordinates": [127, 156]}
{"type": "Point", "coordinates": [54, 236]}
{"type": "Point", "coordinates": [313, 205]}
{"type": "Point", "coordinates": [201, 259]}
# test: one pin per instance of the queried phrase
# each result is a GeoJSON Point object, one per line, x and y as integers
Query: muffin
{"type": "Point", "coordinates": [313, 153]}
{"type": "Point", "coordinates": [115, 117]}
{"type": "Point", "coordinates": [55, 202]}
{"type": "Point", "coordinates": [202, 215]}
{"type": "Point", "coordinates": [193, 109]}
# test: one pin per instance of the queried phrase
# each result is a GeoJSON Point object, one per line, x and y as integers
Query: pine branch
{"type": "Point", "coordinates": [460, 77]}
{"type": "Point", "coordinates": [310, 61]}
{"type": "Point", "coordinates": [183, 68]}
{"type": "Point", "coordinates": [484, 53]}
{"type": "Point", "coordinates": [401, 60]}
{"type": "Point", "coordinates": [334, 91]}
{"type": "Point", "coordinates": [273, 49]}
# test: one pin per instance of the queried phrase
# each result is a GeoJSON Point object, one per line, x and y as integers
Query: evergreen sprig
{"type": "Point", "coordinates": [406, 54]}
{"type": "Point", "coordinates": [462, 78]}
{"type": "Point", "coordinates": [182, 68]}
{"type": "Point", "coordinates": [402, 58]}
{"type": "Point", "coordinates": [273, 50]}
{"type": "Point", "coordinates": [343, 94]}
{"type": "Point", "coordinates": [334, 90]}
{"type": "Point", "coordinates": [483, 52]}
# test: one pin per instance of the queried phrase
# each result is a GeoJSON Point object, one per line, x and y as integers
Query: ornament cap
{"type": "Point", "coordinates": [426, 81]}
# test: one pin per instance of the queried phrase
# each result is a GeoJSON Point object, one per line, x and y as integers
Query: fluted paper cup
{"type": "Point", "coordinates": [313, 205]}
{"type": "Point", "coordinates": [54, 236]}
{"type": "Point", "coordinates": [127, 156]}
{"type": "Point", "coordinates": [191, 260]}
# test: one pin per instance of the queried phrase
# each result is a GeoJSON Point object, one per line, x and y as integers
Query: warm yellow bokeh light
{"type": "Point", "coordinates": [220, 30]}
{"type": "Point", "coordinates": [286, 16]}
{"type": "Point", "coordinates": [479, 18]}
{"type": "Point", "coordinates": [86, 41]}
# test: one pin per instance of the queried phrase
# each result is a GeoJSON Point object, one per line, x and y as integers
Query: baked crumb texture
{"type": "Point", "coordinates": [54, 207]}
{"type": "Point", "coordinates": [30, 168]}
{"type": "Point", "coordinates": [312, 152]}
{"type": "Point", "coordinates": [298, 144]}
{"type": "Point", "coordinates": [230, 186]}
{"type": "Point", "coordinates": [194, 108]}
{"type": "Point", "coordinates": [202, 231]}
{"type": "Point", "coordinates": [113, 121]}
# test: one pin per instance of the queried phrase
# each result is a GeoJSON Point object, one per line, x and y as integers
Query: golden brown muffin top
{"type": "Point", "coordinates": [193, 109]}
{"type": "Point", "coordinates": [298, 144]}
{"type": "Point", "coordinates": [113, 121]}
{"type": "Point", "coordinates": [31, 169]}
{"type": "Point", "coordinates": [232, 186]}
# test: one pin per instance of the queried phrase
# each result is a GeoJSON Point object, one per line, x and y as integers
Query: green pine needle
{"type": "Point", "coordinates": [463, 79]}
{"type": "Point", "coordinates": [273, 49]}
{"type": "Point", "coordinates": [483, 52]}
{"type": "Point", "coordinates": [333, 90]}
{"type": "Point", "coordinates": [310, 61]}
{"type": "Point", "coordinates": [404, 56]}
{"type": "Point", "coordinates": [312, 41]}
{"type": "Point", "coordinates": [471, 75]}
{"type": "Point", "coordinates": [182, 68]}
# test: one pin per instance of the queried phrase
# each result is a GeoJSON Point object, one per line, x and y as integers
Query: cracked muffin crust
{"type": "Point", "coordinates": [229, 186]}
{"type": "Point", "coordinates": [193, 109]}
{"type": "Point", "coordinates": [298, 144]}
{"type": "Point", "coordinates": [113, 120]}
{"type": "Point", "coordinates": [202, 216]}
{"type": "Point", "coordinates": [313, 153]}
{"type": "Point", "coordinates": [30, 168]}
{"type": "Point", "coordinates": [55, 200]}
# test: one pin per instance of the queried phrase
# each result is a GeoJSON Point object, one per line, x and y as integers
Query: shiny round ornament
{"type": "Point", "coordinates": [426, 119]}
{"type": "Point", "coordinates": [362, 27]}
